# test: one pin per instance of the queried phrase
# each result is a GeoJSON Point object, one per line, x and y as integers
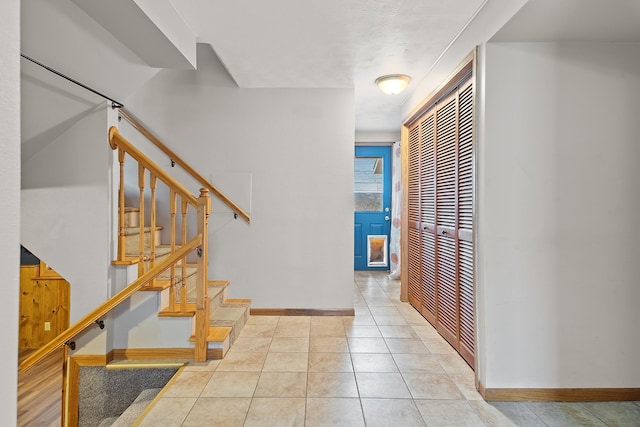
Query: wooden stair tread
{"type": "Point", "coordinates": [227, 313]}
{"type": "Point", "coordinates": [191, 311]}
{"type": "Point", "coordinates": [218, 283]}
{"type": "Point", "coordinates": [215, 334]}
{"type": "Point", "coordinates": [129, 260]}
{"type": "Point", "coordinates": [134, 257]}
{"type": "Point", "coordinates": [213, 291]}
{"type": "Point", "coordinates": [160, 251]}
{"type": "Point", "coordinates": [160, 285]}
{"type": "Point", "coordinates": [166, 275]}
{"type": "Point", "coordinates": [245, 301]}
{"type": "Point", "coordinates": [132, 231]}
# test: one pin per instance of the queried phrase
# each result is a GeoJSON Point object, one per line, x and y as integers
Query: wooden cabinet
{"type": "Point", "coordinates": [440, 270]}
{"type": "Point", "coordinates": [44, 305]}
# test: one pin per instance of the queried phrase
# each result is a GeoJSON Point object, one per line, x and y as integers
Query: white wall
{"type": "Point", "coordinates": [10, 202]}
{"type": "Point", "coordinates": [364, 137]}
{"type": "Point", "coordinates": [137, 325]}
{"type": "Point", "coordinates": [557, 229]}
{"type": "Point", "coordinates": [66, 209]}
{"type": "Point", "coordinates": [50, 104]}
{"type": "Point", "coordinates": [297, 147]}
{"type": "Point", "coordinates": [487, 21]}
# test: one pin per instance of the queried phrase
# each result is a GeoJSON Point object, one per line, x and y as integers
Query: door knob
{"type": "Point", "coordinates": [386, 218]}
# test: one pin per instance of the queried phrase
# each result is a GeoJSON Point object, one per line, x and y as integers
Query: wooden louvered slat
{"type": "Point", "coordinates": [467, 304]}
{"type": "Point", "coordinates": [446, 164]}
{"type": "Point", "coordinates": [415, 285]}
{"type": "Point", "coordinates": [465, 160]}
{"type": "Point", "coordinates": [429, 309]}
{"type": "Point", "coordinates": [466, 286]}
{"type": "Point", "coordinates": [428, 215]}
{"type": "Point", "coordinates": [414, 175]}
{"type": "Point", "coordinates": [447, 289]}
{"type": "Point", "coordinates": [428, 170]}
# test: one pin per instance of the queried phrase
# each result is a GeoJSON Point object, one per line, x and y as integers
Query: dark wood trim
{"type": "Point", "coordinates": [302, 312]}
{"type": "Point", "coordinates": [92, 359]}
{"type": "Point", "coordinates": [73, 392]}
{"type": "Point", "coordinates": [465, 67]}
{"type": "Point", "coordinates": [414, 302]}
{"type": "Point", "coordinates": [72, 384]}
{"type": "Point", "coordinates": [560, 394]}
{"type": "Point", "coordinates": [480, 387]}
{"type": "Point", "coordinates": [430, 317]}
{"type": "Point", "coordinates": [474, 155]}
{"type": "Point", "coordinates": [162, 353]}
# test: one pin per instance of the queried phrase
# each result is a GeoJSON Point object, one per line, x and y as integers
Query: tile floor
{"type": "Point", "coordinates": [386, 366]}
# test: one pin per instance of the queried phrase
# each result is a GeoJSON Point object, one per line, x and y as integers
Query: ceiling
{"type": "Point", "coordinates": [604, 21]}
{"type": "Point", "coordinates": [330, 44]}
{"type": "Point", "coordinates": [285, 44]}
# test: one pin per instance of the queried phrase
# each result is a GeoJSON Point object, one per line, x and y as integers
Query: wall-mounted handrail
{"type": "Point", "coordinates": [103, 309]}
{"type": "Point", "coordinates": [116, 140]}
{"type": "Point", "coordinates": [173, 156]}
{"type": "Point", "coordinates": [114, 103]}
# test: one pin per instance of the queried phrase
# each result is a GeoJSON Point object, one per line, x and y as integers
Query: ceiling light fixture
{"type": "Point", "coordinates": [392, 84]}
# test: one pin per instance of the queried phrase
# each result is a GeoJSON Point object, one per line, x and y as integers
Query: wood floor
{"type": "Point", "coordinates": [40, 391]}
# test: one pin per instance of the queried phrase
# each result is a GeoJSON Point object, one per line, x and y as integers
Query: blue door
{"type": "Point", "coordinates": [372, 207]}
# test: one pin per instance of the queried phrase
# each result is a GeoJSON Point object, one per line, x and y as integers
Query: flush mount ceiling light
{"type": "Point", "coordinates": [392, 84]}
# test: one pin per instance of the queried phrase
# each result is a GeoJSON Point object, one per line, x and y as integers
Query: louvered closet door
{"type": "Point", "coordinates": [465, 223]}
{"type": "Point", "coordinates": [446, 220]}
{"type": "Point", "coordinates": [415, 288]}
{"type": "Point", "coordinates": [440, 259]}
{"type": "Point", "coordinates": [428, 216]}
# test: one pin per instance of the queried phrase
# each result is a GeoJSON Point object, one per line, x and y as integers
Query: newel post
{"type": "Point", "coordinates": [202, 298]}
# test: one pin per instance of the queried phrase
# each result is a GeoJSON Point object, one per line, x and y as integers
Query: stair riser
{"type": "Point", "coordinates": [215, 301]}
{"type": "Point", "coordinates": [159, 259]}
{"type": "Point", "coordinates": [237, 328]}
{"type": "Point", "coordinates": [131, 219]}
{"type": "Point", "coordinates": [216, 297]}
{"type": "Point", "coordinates": [218, 300]}
{"type": "Point", "coordinates": [224, 346]}
{"type": "Point", "coordinates": [191, 279]}
{"type": "Point", "coordinates": [133, 242]}
{"type": "Point", "coordinates": [237, 325]}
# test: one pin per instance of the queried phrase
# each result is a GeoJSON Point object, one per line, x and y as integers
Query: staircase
{"type": "Point", "coordinates": [227, 316]}
{"type": "Point", "coordinates": [177, 269]}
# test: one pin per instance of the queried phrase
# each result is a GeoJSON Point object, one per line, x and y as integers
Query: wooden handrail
{"type": "Point", "coordinates": [116, 140]}
{"type": "Point", "coordinates": [109, 305]}
{"type": "Point", "coordinates": [173, 156]}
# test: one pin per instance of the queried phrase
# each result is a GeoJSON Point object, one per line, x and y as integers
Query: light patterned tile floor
{"type": "Point", "coordinates": [385, 366]}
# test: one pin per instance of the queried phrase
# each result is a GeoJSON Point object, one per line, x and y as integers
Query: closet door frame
{"type": "Point", "coordinates": [457, 79]}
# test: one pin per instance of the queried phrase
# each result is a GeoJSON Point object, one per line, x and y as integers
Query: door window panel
{"type": "Point", "coordinates": [368, 184]}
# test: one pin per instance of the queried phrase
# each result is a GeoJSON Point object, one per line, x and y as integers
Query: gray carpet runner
{"type": "Point", "coordinates": [106, 394]}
